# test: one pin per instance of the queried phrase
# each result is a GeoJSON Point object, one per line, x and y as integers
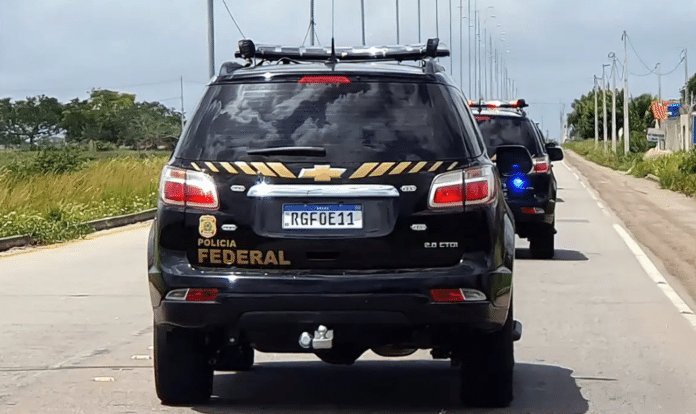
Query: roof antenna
{"type": "Point", "coordinates": [333, 58]}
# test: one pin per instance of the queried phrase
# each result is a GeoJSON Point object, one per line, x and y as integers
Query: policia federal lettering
{"type": "Point", "coordinates": [225, 255]}
{"type": "Point", "coordinates": [242, 257]}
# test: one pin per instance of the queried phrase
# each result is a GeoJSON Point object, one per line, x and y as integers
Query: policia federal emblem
{"type": "Point", "coordinates": [207, 226]}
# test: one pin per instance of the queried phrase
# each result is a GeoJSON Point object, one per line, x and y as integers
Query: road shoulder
{"type": "Point", "coordinates": [661, 220]}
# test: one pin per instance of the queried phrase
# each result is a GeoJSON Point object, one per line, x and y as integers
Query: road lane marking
{"type": "Point", "coordinates": [606, 213]}
{"type": "Point", "coordinates": [600, 204]}
{"type": "Point", "coordinates": [566, 165]}
{"type": "Point", "coordinates": [583, 184]}
{"type": "Point", "coordinates": [656, 276]}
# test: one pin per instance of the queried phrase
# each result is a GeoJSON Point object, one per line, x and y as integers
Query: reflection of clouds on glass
{"type": "Point", "coordinates": [355, 122]}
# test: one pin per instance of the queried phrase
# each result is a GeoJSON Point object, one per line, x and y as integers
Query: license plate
{"type": "Point", "coordinates": [322, 216]}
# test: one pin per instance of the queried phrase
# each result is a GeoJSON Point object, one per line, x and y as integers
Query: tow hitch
{"type": "Point", "coordinates": [322, 339]}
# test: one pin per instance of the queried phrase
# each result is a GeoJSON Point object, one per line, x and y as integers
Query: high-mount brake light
{"type": "Point", "coordinates": [323, 79]}
{"type": "Point", "coordinates": [463, 188]}
{"type": "Point", "coordinates": [180, 187]}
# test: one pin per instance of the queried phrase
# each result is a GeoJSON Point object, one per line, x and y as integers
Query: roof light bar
{"type": "Point", "coordinates": [432, 49]}
{"type": "Point", "coordinates": [518, 104]}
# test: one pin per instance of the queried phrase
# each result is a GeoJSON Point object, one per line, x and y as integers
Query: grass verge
{"type": "Point", "coordinates": [676, 172]}
{"type": "Point", "coordinates": [50, 206]}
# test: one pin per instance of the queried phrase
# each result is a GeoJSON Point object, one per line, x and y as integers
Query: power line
{"type": "Point", "coordinates": [235, 22]}
{"type": "Point", "coordinates": [637, 55]}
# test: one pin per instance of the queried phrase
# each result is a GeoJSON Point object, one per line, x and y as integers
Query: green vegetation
{"type": "Point", "coordinates": [581, 120]}
{"type": "Point", "coordinates": [48, 193]}
{"type": "Point", "coordinates": [107, 120]}
{"type": "Point", "coordinates": [675, 172]}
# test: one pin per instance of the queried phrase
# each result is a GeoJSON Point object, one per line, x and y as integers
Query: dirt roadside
{"type": "Point", "coordinates": [661, 220]}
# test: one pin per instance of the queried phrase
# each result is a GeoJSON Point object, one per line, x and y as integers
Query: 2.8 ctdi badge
{"type": "Point", "coordinates": [207, 226]}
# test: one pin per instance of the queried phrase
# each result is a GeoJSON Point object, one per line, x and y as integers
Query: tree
{"type": "Point", "coordinates": [34, 119]}
{"type": "Point", "coordinates": [690, 87]}
{"type": "Point", "coordinates": [581, 120]}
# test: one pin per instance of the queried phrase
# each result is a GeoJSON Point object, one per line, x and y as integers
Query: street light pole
{"type": "Point", "coordinates": [626, 126]}
{"type": "Point", "coordinates": [604, 106]}
{"type": "Point", "coordinates": [596, 120]}
{"type": "Point", "coordinates": [398, 36]}
{"type": "Point", "coordinates": [211, 40]}
{"type": "Point", "coordinates": [612, 56]}
{"type": "Point", "coordinates": [362, 11]}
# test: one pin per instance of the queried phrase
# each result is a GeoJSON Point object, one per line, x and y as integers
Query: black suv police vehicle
{"type": "Point", "coordinates": [531, 194]}
{"type": "Point", "coordinates": [332, 201]}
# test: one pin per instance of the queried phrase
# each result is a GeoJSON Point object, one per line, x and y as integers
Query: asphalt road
{"type": "Point", "coordinates": [600, 336]}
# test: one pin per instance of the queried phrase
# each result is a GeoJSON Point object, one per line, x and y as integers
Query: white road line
{"type": "Point", "coordinates": [566, 165]}
{"type": "Point", "coordinates": [606, 213]}
{"type": "Point", "coordinates": [600, 204]}
{"type": "Point", "coordinates": [656, 276]}
{"type": "Point", "coordinates": [583, 184]}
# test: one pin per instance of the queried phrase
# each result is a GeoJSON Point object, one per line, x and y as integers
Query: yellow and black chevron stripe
{"type": "Point", "coordinates": [368, 169]}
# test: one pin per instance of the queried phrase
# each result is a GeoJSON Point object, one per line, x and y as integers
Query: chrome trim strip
{"type": "Point", "coordinates": [318, 190]}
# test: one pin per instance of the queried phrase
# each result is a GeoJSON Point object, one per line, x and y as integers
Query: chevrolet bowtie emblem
{"type": "Point", "coordinates": [322, 173]}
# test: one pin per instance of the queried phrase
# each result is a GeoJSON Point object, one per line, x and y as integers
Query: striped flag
{"type": "Point", "coordinates": [659, 110]}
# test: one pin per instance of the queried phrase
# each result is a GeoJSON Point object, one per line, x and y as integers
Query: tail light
{"type": "Point", "coordinates": [180, 187]}
{"type": "Point", "coordinates": [542, 165]}
{"type": "Point", "coordinates": [457, 189]}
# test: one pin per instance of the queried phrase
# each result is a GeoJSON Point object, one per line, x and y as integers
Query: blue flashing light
{"type": "Point", "coordinates": [518, 181]}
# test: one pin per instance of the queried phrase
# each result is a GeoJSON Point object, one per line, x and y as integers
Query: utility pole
{"type": "Point", "coordinates": [612, 56]}
{"type": "Point", "coordinates": [362, 11]}
{"type": "Point", "coordinates": [604, 106]}
{"type": "Point", "coordinates": [211, 40]}
{"type": "Point", "coordinates": [686, 81]}
{"type": "Point", "coordinates": [626, 126]}
{"type": "Point", "coordinates": [659, 83]}
{"type": "Point", "coordinates": [596, 119]}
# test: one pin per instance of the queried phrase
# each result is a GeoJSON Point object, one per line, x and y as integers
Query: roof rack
{"type": "Point", "coordinates": [432, 49]}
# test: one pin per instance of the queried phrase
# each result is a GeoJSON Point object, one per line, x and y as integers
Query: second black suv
{"type": "Point", "coordinates": [534, 206]}
{"type": "Point", "coordinates": [331, 202]}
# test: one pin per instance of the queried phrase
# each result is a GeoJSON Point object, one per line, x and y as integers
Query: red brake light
{"type": "Point", "coordinates": [477, 191]}
{"type": "Point", "coordinates": [541, 165]}
{"type": "Point", "coordinates": [323, 79]}
{"type": "Point", "coordinates": [463, 188]}
{"type": "Point", "coordinates": [448, 195]}
{"type": "Point", "coordinates": [188, 188]}
{"type": "Point", "coordinates": [201, 295]}
{"type": "Point", "coordinates": [447, 295]}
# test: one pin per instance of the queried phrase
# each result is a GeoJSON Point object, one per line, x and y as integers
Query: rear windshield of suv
{"type": "Point", "coordinates": [356, 122]}
{"type": "Point", "coordinates": [508, 130]}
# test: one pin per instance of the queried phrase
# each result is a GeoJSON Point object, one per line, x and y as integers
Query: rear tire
{"type": "Point", "coordinates": [541, 245]}
{"type": "Point", "coordinates": [235, 358]}
{"type": "Point", "coordinates": [183, 374]}
{"type": "Point", "coordinates": [487, 366]}
{"type": "Point", "coordinates": [341, 355]}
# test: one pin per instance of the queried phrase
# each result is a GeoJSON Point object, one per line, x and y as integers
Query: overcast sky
{"type": "Point", "coordinates": [552, 48]}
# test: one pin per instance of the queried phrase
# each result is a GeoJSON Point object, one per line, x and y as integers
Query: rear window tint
{"type": "Point", "coordinates": [356, 122]}
{"type": "Point", "coordinates": [507, 130]}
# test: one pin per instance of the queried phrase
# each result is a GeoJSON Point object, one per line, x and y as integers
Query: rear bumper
{"type": "Point", "coordinates": [253, 300]}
